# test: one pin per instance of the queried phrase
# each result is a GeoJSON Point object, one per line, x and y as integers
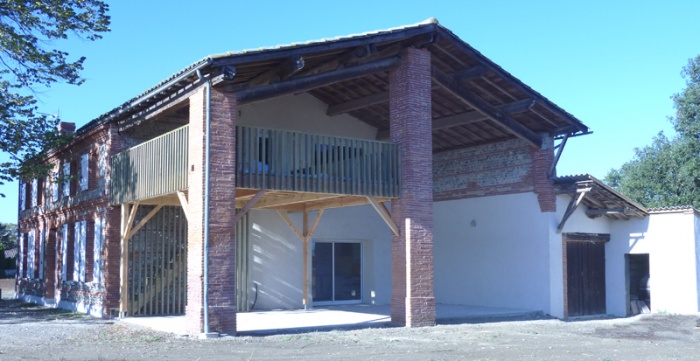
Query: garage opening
{"type": "Point", "coordinates": [638, 284]}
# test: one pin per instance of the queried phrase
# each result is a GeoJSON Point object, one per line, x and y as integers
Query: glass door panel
{"type": "Point", "coordinates": [322, 272]}
{"type": "Point", "coordinates": [347, 271]}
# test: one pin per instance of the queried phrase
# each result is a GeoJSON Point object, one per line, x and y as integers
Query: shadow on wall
{"type": "Point", "coordinates": [276, 268]}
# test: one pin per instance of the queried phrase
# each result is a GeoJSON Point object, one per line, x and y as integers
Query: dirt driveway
{"type": "Point", "coordinates": [32, 333]}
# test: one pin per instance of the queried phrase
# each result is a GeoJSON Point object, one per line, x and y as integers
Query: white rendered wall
{"type": "Point", "coordinates": [492, 251]}
{"type": "Point", "coordinates": [670, 239]}
{"type": "Point", "coordinates": [305, 113]}
{"type": "Point", "coordinates": [276, 254]}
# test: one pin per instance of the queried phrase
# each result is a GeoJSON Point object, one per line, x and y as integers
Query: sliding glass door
{"type": "Point", "coordinates": [336, 272]}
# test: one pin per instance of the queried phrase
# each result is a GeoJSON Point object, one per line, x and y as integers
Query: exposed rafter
{"type": "Point", "coordinates": [301, 84]}
{"type": "Point", "coordinates": [356, 104]}
{"type": "Point", "coordinates": [469, 117]}
{"type": "Point", "coordinates": [452, 85]}
{"type": "Point", "coordinates": [475, 71]}
{"type": "Point", "coordinates": [284, 70]}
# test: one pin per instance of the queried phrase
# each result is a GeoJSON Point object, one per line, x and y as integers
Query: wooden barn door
{"type": "Point", "coordinates": [585, 274]}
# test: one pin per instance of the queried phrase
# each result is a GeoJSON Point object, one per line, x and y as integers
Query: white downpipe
{"type": "Point", "coordinates": [206, 203]}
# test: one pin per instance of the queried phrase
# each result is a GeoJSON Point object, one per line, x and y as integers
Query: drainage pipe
{"type": "Point", "coordinates": [207, 117]}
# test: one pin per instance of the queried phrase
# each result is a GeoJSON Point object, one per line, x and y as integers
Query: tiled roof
{"type": "Point", "coordinates": [600, 193]}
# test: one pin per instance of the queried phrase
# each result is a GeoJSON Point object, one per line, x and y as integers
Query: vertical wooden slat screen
{"type": "Point", "coordinates": [157, 268]}
{"type": "Point", "coordinates": [156, 167]}
{"type": "Point", "coordinates": [295, 161]}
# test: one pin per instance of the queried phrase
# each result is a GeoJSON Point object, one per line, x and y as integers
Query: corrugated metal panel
{"type": "Point", "coordinates": [151, 169]}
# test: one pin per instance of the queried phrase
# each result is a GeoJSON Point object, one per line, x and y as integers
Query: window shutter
{"type": "Point", "coordinates": [66, 179]}
{"type": "Point", "coordinates": [31, 259]}
{"type": "Point", "coordinates": [22, 192]}
{"type": "Point", "coordinates": [35, 190]}
{"type": "Point", "coordinates": [21, 255]}
{"type": "Point", "coordinates": [42, 249]}
{"type": "Point", "coordinates": [64, 252]}
{"type": "Point", "coordinates": [84, 162]}
{"type": "Point", "coordinates": [99, 239]}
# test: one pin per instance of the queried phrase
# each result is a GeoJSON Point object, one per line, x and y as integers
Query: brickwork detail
{"type": "Point", "coordinates": [222, 242]}
{"type": "Point", "coordinates": [412, 300]}
{"type": "Point", "coordinates": [541, 162]}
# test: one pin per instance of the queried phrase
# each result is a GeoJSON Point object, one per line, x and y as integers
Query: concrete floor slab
{"type": "Point", "coordinates": [329, 317]}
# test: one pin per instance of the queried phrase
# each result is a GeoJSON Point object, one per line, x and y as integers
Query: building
{"type": "Point", "coordinates": [395, 167]}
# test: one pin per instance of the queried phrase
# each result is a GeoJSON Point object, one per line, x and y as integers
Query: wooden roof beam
{"type": "Point", "coordinates": [356, 104]}
{"type": "Point", "coordinates": [475, 71]}
{"type": "Point", "coordinates": [468, 117]}
{"type": "Point", "coordinates": [301, 84]}
{"type": "Point", "coordinates": [452, 85]}
{"type": "Point", "coordinates": [284, 70]}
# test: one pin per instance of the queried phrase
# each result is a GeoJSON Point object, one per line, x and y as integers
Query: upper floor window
{"type": "Point", "coordinates": [84, 171]}
{"type": "Point", "coordinates": [66, 179]}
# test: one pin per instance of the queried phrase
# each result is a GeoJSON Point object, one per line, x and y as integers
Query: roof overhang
{"type": "Point", "coordinates": [474, 101]}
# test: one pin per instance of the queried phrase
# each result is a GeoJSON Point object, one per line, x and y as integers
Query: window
{"type": "Point", "coordinates": [35, 192]}
{"type": "Point", "coordinates": [66, 179]}
{"type": "Point", "coordinates": [54, 183]}
{"type": "Point", "coordinates": [97, 251]}
{"type": "Point", "coordinates": [22, 193]}
{"type": "Point", "coordinates": [31, 255]}
{"type": "Point", "coordinates": [79, 251]}
{"type": "Point", "coordinates": [84, 162]}
{"type": "Point", "coordinates": [22, 257]}
{"type": "Point", "coordinates": [42, 250]}
{"type": "Point", "coordinates": [64, 253]}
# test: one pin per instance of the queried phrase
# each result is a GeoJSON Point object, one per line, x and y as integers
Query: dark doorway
{"type": "Point", "coordinates": [638, 290]}
{"type": "Point", "coordinates": [585, 274]}
{"type": "Point", "coordinates": [337, 272]}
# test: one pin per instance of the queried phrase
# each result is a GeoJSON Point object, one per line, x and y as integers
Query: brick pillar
{"type": "Point", "coordinates": [412, 299]}
{"type": "Point", "coordinates": [222, 241]}
{"type": "Point", "coordinates": [541, 163]}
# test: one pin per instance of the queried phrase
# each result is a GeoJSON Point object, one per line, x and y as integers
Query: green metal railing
{"type": "Point", "coordinates": [270, 159]}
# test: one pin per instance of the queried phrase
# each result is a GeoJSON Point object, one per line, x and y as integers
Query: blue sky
{"type": "Point", "coordinates": [614, 65]}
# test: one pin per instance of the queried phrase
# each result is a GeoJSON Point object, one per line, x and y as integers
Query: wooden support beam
{"type": "Point", "coordinates": [291, 199]}
{"type": "Point", "coordinates": [337, 202]}
{"type": "Point", "coordinates": [285, 69]}
{"type": "Point", "coordinates": [573, 204]}
{"type": "Point", "coordinates": [248, 206]}
{"type": "Point", "coordinates": [553, 167]}
{"type": "Point", "coordinates": [285, 217]}
{"type": "Point", "coordinates": [356, 104]}
{"type": "Point", "coordinates": [384, 213]}
{"type": "Point", "coordinates": [144, 221]}
{"type": "Point", "coordinates": [296, 84]}
{"type": "Point", "coordinates": [184, 204]}
{"type": "Point", "coordinates": [452, 85]}
{"type": "Point", "coordinates": [593, 212]}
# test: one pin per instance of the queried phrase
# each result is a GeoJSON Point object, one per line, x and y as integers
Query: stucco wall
{"type": "Point", "coordinates": [276, 262]}
{"type": "Point", "coordinates": [492, 251]}
{"type": "Point", "coordinates": [670, 241]}
{"type": "Point", "coordinates": [304, 113]}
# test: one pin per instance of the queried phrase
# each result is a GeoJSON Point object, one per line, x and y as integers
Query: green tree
{"type": "Point", "coordinates": [8, 235]}
{"type": "Point", "coordinates": [30, 64]}
{"type": "Point", "coordinates": [667, 172]}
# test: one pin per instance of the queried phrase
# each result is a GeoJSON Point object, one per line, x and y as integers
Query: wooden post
{"type": "Point", "coordinates": [124, 262]}
{"type": "Point", "coordinates": [306, 258]}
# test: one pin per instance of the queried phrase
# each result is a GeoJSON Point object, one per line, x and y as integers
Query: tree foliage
{"type": "Point", "coordinates": [8, 235]}
{"type": "Point", "coordinates": [667, 172]}
{"type": "Point", "coordinates": [29, 63]}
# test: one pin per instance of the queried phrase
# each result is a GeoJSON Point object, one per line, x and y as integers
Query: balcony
{"type": "Point", "coordinates": [269, 159]}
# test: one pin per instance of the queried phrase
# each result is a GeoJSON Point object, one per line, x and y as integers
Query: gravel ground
{"type": "Point", "coordinates": [28, 332]}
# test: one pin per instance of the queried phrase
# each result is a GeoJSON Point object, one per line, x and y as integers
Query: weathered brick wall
{"type": "Point", "coordinates": [86, 205]}
{"type": "Point", "coordinates": [507, 167]}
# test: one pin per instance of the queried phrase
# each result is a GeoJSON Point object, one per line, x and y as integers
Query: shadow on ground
{"type": "Point", "coordinates": [17, 311]}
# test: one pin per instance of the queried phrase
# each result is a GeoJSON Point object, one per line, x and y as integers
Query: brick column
{"type": "Point", "coordinates": [412, 299]}
{"type": "Point", "coordinates": [222, 242]}
{"type": "Point", "coordinates": [541, 163]}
